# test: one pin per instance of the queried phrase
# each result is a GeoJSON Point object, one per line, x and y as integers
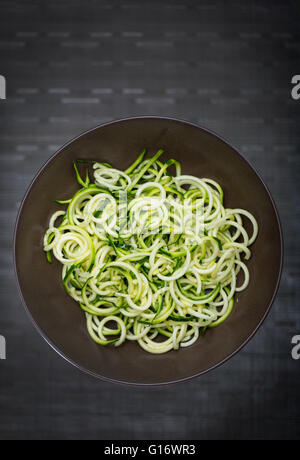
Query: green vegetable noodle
{"type": "Point", "coordinates": [149, 254]}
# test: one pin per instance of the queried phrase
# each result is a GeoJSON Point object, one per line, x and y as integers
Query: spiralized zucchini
{"type": "Point", "coordinates": [149, 255]}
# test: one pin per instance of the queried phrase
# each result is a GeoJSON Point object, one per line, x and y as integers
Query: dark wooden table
{"type": "Point", "coordinates": [228, 65]}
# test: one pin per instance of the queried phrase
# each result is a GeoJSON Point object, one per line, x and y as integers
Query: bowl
{"type": "Point", "coordinates": [58, 318]}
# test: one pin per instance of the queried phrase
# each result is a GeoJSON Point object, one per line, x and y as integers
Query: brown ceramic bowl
{"type": "Point", "coordinates": [58, 318]}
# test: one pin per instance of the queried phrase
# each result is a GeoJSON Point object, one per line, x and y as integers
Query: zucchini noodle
{"type": "Point", "coordinates": [150, 255]}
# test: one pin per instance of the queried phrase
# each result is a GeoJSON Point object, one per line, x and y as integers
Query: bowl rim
{"type": "Point", "coordinates": [44, 335]}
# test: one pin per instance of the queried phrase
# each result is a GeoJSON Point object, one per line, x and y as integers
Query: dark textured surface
{"type": "Point", "coordinates": [225, 64]}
